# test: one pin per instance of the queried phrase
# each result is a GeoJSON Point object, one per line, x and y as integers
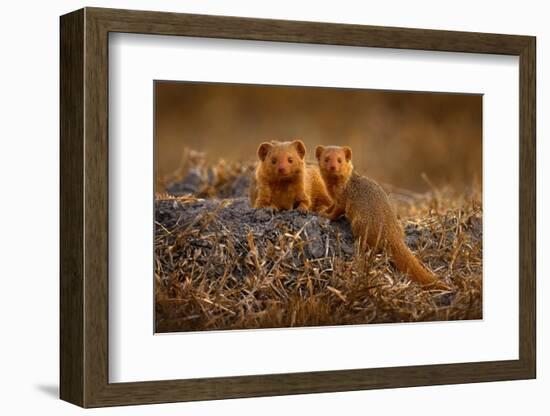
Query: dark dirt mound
{"type": "Point", "coordinates": [235, 220]}
{"type": "Point", "coordinates": [208, 184]}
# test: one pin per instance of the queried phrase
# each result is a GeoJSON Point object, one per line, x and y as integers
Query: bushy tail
{"type": "Point", "coordinates": [407, 263]}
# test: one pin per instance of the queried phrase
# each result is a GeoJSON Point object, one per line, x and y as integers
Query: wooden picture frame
{"type": "Point", "coordinates": [84, 207]}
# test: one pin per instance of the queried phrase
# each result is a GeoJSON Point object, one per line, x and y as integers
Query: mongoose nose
{"type": "Point", "coordinates": [333, 168]}
{"type": "Point", "coordinates": [281, 169]}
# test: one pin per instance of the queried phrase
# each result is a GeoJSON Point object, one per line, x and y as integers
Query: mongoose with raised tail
{"type": "Point", "coordinates": [367, 207]}
{"type": "Point", "coordinates": [284, 181]}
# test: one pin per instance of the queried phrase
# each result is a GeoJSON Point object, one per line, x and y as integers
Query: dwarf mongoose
{"type": "Point", "coordinates": [367, 207]}
{"type": "Point", "coordinates": [283, 180]}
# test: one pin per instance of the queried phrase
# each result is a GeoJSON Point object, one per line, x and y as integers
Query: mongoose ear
{"type": "Point", "coordinates": [263, 150]}
{"type": "Point", "coordinates": [319, 151]}
{"type": "Point", "coordinates": [300, 148]}
{"type": "Point", "coordinates": [347, 152]}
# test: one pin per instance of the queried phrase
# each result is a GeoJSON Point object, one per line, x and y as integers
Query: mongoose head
{"type": "Point", "coordinates": [334, 161]}
{"type": "Point", "coordinates": [282, 160]}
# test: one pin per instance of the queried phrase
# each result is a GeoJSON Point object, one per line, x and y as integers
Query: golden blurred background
{"type": "Point", "coordinates": [396, 137]}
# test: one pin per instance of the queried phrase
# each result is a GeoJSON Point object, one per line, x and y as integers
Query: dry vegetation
{"type": "Point", "coordinates": [220, 264]}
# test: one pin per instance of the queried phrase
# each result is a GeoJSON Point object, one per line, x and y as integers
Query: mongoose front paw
{"type": "Point", "coordinates": [263, 204]}
{"type": "Point", "coordinates": [325, 212]}
{"type": "Point", "coordinates": [302, 207]}
{"type": "Point", "coordinates": [333, 216]}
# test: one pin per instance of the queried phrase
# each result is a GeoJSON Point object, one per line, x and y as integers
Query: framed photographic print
{"type": "Point", "coordinates": [255, 207]}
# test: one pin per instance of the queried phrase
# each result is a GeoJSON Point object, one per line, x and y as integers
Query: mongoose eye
{"type": "Point", "coordinates": [326, 159]}
{"type": "Point", "coordinates": [273, 160]}
{"type": "Point", "coordinates": [339, 160]}
{"type": "Point", "coordinates": [290, 160]}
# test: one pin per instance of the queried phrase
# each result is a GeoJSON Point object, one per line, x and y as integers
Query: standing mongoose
{"type": "Point", "coordinates": [283, 180]}
{"type": "Point", "coordinates": [367, 207]}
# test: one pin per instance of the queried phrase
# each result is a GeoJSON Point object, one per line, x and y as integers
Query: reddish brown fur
{"type": "Point", "coordinates": [283, 180]}
{"type": "Point", "coordinates": [367, 207]}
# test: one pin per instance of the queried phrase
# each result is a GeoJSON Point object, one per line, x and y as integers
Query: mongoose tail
{"type": "Point", "coordinates": [407, 263]}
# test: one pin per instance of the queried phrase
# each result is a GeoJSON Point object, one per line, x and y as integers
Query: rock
{"type": "Point", "coordinates": [236, 188]}
{"type": "Point", "coordinates": [195, 182]}
{"type": "Point", "coordinates": [476, 227]}
{"type": "Point", "coordinates": [446, 299]}
{"type": "Point", "coordinates": [412, 236]}
{"type": "Point", "coordinates": [191, 184]}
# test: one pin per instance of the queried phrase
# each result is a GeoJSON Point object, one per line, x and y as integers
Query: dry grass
{"type": "Point", "coordinates": [222, 265]}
